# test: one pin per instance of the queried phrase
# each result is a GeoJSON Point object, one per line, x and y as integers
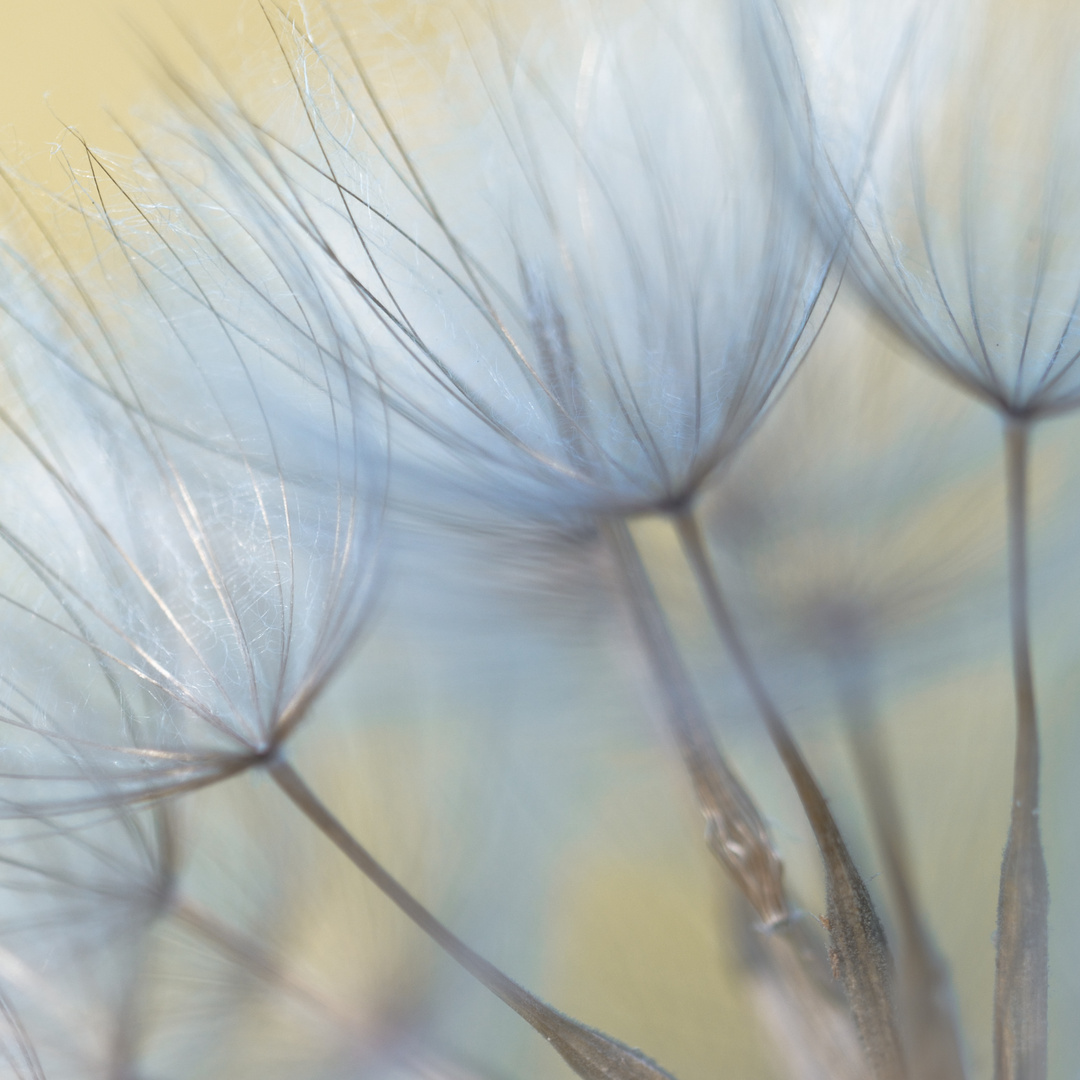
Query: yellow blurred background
{"type": "Point", "coordinates": [64, 63]}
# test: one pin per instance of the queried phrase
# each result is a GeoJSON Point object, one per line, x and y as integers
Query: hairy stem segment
{"type": "Point", "coordinates": [932, 1042]}
{"type": "Point", "coordinates": [857, 937]}
{"type": "Point", "coordinates": [1021, 982]}
{"type": "Point", "coordinates": [734, 828]}
{"type": "Point", "coordinates": [590, 1053]}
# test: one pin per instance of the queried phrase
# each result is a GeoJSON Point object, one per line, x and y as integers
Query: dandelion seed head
{"type": "Point", "coordinates": [585, 291]}
{"type": "Point", "coordinates": [960, 171]}
{"type": "Point", "coordinates": [544, 275]}
{"type": "Point", "coordinates": [78, 901]}
{"type": "Point", "coordinates": [184, 562]}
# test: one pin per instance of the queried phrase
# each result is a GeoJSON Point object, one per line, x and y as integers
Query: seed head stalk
{"type": "Point", "coordinates": [736, 834]}
{"type": "Point", "coordinates": [590, 1053]}
{"type": "Point", "coordinates": [735, 830]}
{"type": "Point", "coordinates": [1021, 981]}
{"type": "Point", "coordinates": [857, 937]}
{"type": "Point", "coordinates": [928, 1018]}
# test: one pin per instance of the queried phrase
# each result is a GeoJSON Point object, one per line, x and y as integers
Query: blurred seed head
{"type": "Point", "coordinates": [183, 565]}
{"type": "Point", "coordinates": [584, 290]}
{"type": "Point", "coordinates": [950, 132]}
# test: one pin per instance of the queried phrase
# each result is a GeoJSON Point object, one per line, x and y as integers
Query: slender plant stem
{"type": "Point", "coordinates": [790, 955]}
{"type": "Point", "coordinates": [928, 1017]}
{"type": "Point", "coordinates": [735, 830]}
{"type": "Point", "coordinates": [875, 779]}
{"type": "Point", "coordinates": [591, 1054]}
{"type": "Point", "coordinates": [1021, 983]}
{"type": "Point", "coordinates": [858, 938]}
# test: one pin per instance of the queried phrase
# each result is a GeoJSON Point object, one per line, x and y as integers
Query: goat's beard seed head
{"type": "Point", "coordinates": [571, 286]}
{"type": "Point", "coordinates": [188, 524]}
{"type": "Point", "coordinates": [958, 160]}
{"type": "Point", "coordinates": [581, 293]}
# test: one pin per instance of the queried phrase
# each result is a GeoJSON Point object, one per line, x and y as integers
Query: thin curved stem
{"type": "Point", "coordinates": [789, 961]}
{"type": "Point", "coordinates": [735, 829]}
{"type": "Point", "coordinates": [927, 1012]}
{"type": "Point", "coordinates": [858, 939]}
{"type": "Point", "coordinates": [1021, 985]}
{"type": "Point", "coordinates": [591, 1054]}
